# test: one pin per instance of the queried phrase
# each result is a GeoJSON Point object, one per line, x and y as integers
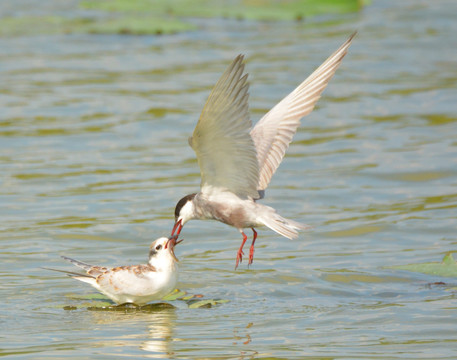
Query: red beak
{"type": "Point", "coordinates": [178, 227]}
{"type": "Point", "coordinates": [172, 242]}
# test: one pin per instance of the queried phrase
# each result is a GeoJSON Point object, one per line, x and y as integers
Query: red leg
{"type": "Point", "coordinates": [251, 250]}
{"type": "Point", "coordinates": [240, 253]}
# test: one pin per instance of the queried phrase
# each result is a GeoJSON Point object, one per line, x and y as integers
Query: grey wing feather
{"type": "Point", "coordinates": [92, 270]}
{"type": "Point", "coordinates": [80, 264]}
{"type": "Point", "coordinates": [221, 140]}
{"type": "Point", "coordinates": [274, 132]}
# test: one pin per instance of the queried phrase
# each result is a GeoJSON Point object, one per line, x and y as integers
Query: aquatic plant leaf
{"type": "Point", "coordinates": [110, 306]}
{"type": "Point", "coordinates": [207, 303]}
{"type": "Point", "coordinates": [176, 294]}
{"type": "Point", "coordinates": [94, 296]}
{"type": "Point", "coordinates": [91, 305]}
{"type": "Point", "coordinates": [131, 308]}
{"type": "Point", "coordinates": [447, 267]}
{"type": "Point", "coordinates": [99, 302]}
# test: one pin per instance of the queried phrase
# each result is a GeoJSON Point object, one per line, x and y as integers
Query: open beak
{"type": "Point", "coordinates": [178, 227]}
{"type": "Point", "coordinates": [171, 243]}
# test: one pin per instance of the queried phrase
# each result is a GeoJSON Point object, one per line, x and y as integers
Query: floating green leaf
{"type": "Point", "coordinates": [129, 308]}
{"type": "Point", "coordinates": [94, 296]}
{"type": "Point", "coordinates": [99, 302]}
{"type": "Point", "coordinates": [89, 305]}
{"type": "Point", "coordinates": [176, 294]}
{"type": "Point", "coordinates": [447, 267]}
{"type": "Point", "coordinates": [195, 304]}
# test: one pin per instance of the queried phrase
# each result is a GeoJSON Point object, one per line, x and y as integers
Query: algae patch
{"type": "Point", "coordinates": [271, 10]}
{"type": "Point", "coordinates": [149, 17]}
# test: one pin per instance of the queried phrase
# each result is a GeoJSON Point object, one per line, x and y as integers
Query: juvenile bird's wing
{"type": "Point", "coordinates": [128, 279]}
{"type": "Point", "coordinates": [92, 270]}
{"type": "Point", "coordinates": [273, 133]}
{"type": "Point", "coordinates": [225, 150]}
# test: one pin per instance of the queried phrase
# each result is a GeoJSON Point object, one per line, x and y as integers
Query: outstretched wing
{"type": "Point", "coordinates": [225, 150]}
{"type": "Point", "coordinates": [273, 133]}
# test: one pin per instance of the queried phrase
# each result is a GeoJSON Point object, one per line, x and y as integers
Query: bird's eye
{"type": "Point", "coordinates": [158, 247]}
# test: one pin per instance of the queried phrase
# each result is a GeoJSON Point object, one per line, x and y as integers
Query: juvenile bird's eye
{"type": "Point", "coordinates": [158, 247]}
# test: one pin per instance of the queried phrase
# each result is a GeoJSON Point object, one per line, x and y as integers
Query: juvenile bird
{"type": "Point", "coordinates": [137, 284]}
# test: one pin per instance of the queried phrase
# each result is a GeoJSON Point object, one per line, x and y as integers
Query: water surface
{"type": "Point", "coordinates": [94, 156]}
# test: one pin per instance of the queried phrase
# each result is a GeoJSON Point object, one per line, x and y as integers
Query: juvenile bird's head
{"type": "Point", "coordinates": [162, 251]}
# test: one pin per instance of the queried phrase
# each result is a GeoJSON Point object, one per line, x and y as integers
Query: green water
{"type": "Point", "coordinates": [94, 157]}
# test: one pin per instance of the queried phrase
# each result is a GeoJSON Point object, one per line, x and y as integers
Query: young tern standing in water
{"type": "Point", "coordinates": [237, 162]}
{"type": "Point", "coordinates": [137, 284]}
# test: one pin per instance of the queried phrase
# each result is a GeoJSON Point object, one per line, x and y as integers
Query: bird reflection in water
{"type": "Point", "coordinates": [150, 328]}
{"type": "Point", "coordinates": [160, 339]}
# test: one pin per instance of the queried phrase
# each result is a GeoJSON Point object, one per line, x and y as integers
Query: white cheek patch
{"type": "Point", "coordinates": [187, 212]}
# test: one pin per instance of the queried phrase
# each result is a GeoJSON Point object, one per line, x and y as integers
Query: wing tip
{"type": "Point", "coordinates": [240, 57]}
{"type": "Point", "coordinates": [346, 44]}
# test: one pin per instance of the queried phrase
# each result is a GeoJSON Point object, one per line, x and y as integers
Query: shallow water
{"type": "Point", "coordinates": [94, 156]}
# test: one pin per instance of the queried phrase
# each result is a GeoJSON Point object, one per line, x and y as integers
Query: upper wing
{"type": "Point", "coordinates": [225, 150]}
{"type": "Point", "coordinates": [273, 133]}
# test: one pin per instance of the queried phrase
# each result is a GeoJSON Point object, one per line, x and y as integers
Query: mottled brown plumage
{"type": "Point", "coordinates": [138, 284]}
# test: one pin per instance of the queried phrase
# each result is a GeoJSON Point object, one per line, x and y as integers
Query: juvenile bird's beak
{"type": "Point", "coordinates": [178, 227]}
{"type": "Point", "coordinates": [171, 243]}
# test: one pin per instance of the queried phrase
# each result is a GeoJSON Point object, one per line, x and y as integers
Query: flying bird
{"type": "Point", "coordinates": [137, 284]}
{"type": "Point", "coordinates": [237, 162]}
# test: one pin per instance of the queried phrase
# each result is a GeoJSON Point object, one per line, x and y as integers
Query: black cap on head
{"type": "Point", "coordinates": [183, 202]}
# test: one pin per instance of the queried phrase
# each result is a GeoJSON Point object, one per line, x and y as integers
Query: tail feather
{"type": "Point", "coordinates": [285, 227]}
{"type": "Point", "coordinates": [90, 277]}
{"type": "Point", "coordinates": [87, 278]}
{"type": "Point", "coordinates": [69, 273]}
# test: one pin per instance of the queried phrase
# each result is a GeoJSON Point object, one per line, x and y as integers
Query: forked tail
{"type": "Point", "coordinates": [285, 227]}
{"type": "Point", "coordinates": [69, 273]}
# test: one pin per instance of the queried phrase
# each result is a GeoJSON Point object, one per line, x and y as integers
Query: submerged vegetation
{"type": "Point", "coordinates": [141, 17]}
